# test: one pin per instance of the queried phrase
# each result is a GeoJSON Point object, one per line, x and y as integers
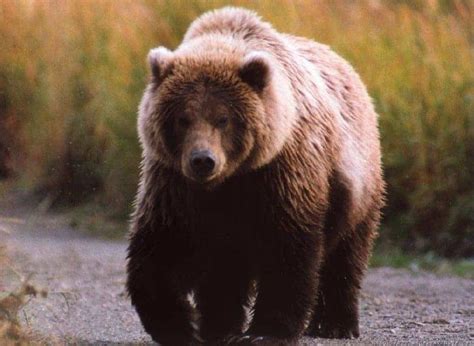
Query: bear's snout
{"type": "Point", "coordinates": [202, 163]}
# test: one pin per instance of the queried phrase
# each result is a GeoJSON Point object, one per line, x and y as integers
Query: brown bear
{"type": "Point", "coordinates": [261, 180]}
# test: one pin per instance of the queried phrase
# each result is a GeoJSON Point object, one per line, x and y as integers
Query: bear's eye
{"type": "Point", "coordinates": [183, 122]}
{"type": "Point", "coordinates": [222, 121]}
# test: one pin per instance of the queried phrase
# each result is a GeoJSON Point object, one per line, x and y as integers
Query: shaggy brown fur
{"type": "Point", "coordinates": [290, 196]}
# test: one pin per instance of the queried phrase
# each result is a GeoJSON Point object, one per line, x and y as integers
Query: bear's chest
{"type": "Point", "coordinates": [228, 216]}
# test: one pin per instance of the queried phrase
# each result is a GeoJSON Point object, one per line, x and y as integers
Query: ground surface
{"type": "Point", "coordinates": [87, 304]}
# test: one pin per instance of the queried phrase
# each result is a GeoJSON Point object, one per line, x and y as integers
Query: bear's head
{"type": "Point", "coordinates": [209, 116]}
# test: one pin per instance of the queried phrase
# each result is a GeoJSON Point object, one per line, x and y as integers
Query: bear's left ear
{"type": "Point", "coordinates": [256, 70]}
{"type": "Point", "coordinates": [161, 62]}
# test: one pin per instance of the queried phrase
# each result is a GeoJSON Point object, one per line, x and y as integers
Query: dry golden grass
{"type": "Point", "coordinates": [72, 72]}
{"type": "Point", "coordinates": [10, 303]}
{"type": "Point", "coordinates": [16, 290]}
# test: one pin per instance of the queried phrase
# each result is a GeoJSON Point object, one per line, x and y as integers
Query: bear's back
{"type": "Point", "coordinates": [235, 22]}
{"type": "Point", "coordinates": [340, 78]}
{"type": "Point", "coordinates": [354, 117]}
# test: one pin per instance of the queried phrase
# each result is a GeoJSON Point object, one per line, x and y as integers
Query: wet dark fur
{"type": "Point", "coordinates": [289, 225]}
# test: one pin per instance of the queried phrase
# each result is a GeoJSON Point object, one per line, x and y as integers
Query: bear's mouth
{"type": "Point", "coordinates": [206, 182]}
{"type": "Point", "coordinates": [209, 183]}
{"type": "Point", "coordinates": [203, 177]}
{"type": "Point", "coordinates": [203, 180]}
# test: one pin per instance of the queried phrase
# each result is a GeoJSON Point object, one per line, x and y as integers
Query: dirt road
{"type": "Point", "coordinates": [87, 304]}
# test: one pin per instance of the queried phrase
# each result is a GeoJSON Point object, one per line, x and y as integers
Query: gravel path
{"type": "Point", "coordinates": [86, 302]}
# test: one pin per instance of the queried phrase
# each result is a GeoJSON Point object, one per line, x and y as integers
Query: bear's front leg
{"type": "Point", "coordinates": [159, 298]}
{"type": "Point", "coordinates": [221, 300]}
{"type": "Point", "coordinates": [164, 315]}
{"type": "Point", "coordinates": [287, 285]}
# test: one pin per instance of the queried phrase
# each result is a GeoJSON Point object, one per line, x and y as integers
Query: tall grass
{"type": "Point", "coordinates": [71, 75]}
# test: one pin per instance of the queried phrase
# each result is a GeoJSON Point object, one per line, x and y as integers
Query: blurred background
{"type": "Point", "coordinates": [72, 74]}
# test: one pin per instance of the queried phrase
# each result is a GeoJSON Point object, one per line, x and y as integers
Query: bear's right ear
{"type": "Point", "coordinates": [256, 71]}
{"type": "Point", "coordinates": [160, 60]}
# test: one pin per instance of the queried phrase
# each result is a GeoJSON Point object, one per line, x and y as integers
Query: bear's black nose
{"type": "Point", "coordinates": [202, 162]}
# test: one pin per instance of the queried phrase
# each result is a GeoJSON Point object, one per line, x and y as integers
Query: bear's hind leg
{"type": "Point", "coordinates": [336, 313]}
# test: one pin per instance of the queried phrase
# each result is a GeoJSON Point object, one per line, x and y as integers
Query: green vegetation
{"type": "Point", "coordinates": [93, 219]}
{"type": "Point", "coordinates": [428, 262]}
{"type": "Point", "coordinates": [72, 73]}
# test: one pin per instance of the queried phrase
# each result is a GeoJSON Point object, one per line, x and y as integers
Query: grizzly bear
{"type": "Point", "coordinates": [261, 182]}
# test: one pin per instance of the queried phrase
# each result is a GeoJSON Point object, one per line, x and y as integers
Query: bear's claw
{"type": "Point", "coordinates": [336, 332]}
{"type": "Point", "coordinates": [249, 339]}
